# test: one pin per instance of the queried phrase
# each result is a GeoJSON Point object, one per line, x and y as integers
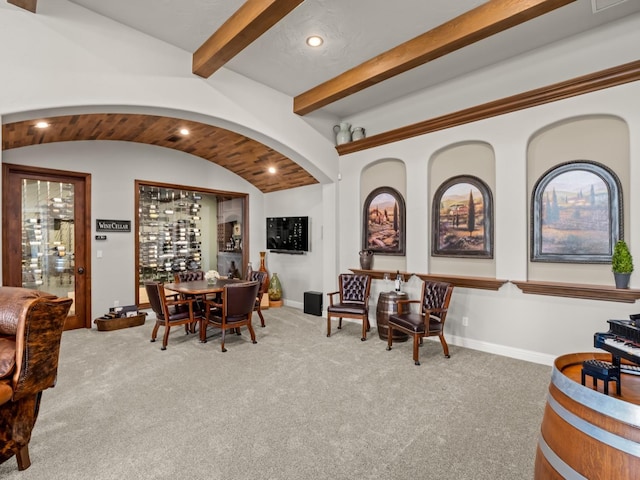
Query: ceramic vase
{"type": "Point", "coordinates": [343, 133]}
{"type": "Point", "coordinates": [275, 288]}
{"type": "Point", "coordinates": [358, 133]}
{"type": "Point", "coordinates": [366, 259]}
{"type": "Point", "coordinates": [263, 268]}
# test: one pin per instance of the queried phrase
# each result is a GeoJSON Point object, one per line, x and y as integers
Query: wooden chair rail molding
{"type": "Point", "coordinates": [611, 77]}
{"type": "Point", "coordinates": [576, 290]}
{"type": "Point", "coordinates": [484, 283]}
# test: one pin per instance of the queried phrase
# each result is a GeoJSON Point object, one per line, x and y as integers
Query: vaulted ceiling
{"type": "Point", "coordinates": [374, 51]}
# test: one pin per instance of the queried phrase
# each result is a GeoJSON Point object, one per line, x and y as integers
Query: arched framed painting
{"type": "Point", "coordinates": [576, 214]}
{"type": "Point", "coordinates": [463, 218]}
{"type": "Point", "coordinates": [383, 229]}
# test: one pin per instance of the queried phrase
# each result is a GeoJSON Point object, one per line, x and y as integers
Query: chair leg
{"type": "Point", "coordinates": [389, 337]}
{"type": "Point", "coordinates": [339, 323]}
{"type": "Point", "coordinates": [416, 351]}
{"type": "Point", "coordinates": [154, 333]}
{"type": "Point", "coordinates": [22, 456]}
{"type": "Point", "coordinates": [328, 325]}
{"type": "Point", "coordinates": [365, 322]}
{"type": "Point", "coordinates": [445, 347]}
{"type": "Point", "coordinates": [165, 338]}
{"type": "Point", "coordinates": [253, 334]}
{"type": "Point", "coordinates": [224, 330]}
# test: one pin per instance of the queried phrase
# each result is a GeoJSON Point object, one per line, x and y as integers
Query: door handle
{"type": "Point", "coordinates": [80, 270]}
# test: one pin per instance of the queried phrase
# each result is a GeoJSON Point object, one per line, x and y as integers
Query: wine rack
{"type": "Point", "coordinates": [170, 232]}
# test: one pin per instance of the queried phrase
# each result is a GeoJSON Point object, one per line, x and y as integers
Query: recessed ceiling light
{"type": "Point", "coordinates": [314, 41]}
{"type": "Point", "coordinates": [42, 124]}
{"type": "Point", "coordinates": [272, 169]}
{"type": "Point", "coordinates": [184, 131]}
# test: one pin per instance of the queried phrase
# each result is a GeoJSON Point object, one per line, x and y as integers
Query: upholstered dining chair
{"type": "Point", "coordinates": [170, 312]}
{"type": "Point", "coordinates": [434, 304]}
{"type": "Point", "coordinates": [258, 276]}
{"type": "Point", "coordinates": [353, 295]}
{"type": "Point", "coordinates": [238, 303]}
{"type": "Point", "coordinates": [188, 276]}
{"type": "Point", "coordinates": [191, 276]}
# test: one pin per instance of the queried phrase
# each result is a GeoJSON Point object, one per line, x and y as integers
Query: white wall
{"type": "Point", "coordinates": [298, 273]}
{"type": "Point", "coordinates": [67, 58]}
{"type": "Point", "coordinates": [507, 321]}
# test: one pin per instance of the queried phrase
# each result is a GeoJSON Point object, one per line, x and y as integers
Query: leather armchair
{"type": "Point", "coordinates": [31, 324]}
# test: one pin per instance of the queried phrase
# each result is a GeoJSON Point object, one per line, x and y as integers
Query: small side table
{"type": "Point", "coordinates": [387, 306]}
{"type": "Point", "coordinates": [601, 370]}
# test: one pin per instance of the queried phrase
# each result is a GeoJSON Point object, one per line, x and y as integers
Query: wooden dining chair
{"type": "Point", "coordinates": [170, 312]}
{"type": "Point", "coordinates": [434, 304]}
{"type": "Point", "coordinates": [353, 301]}
{"type": "Point", "coordinates": [238, 303]}
{"type": "Point", "coordinates": [258, 276]}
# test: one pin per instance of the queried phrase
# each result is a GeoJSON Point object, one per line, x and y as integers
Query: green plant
{"type": "Point", "coordinates": [621, 261]}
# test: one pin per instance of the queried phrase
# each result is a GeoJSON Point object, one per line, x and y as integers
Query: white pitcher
{"type": "Point", "coordinates": [343, 133]}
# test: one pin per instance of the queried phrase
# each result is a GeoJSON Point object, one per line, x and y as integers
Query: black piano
{"type": "Point", "coordinates": [623, 342]}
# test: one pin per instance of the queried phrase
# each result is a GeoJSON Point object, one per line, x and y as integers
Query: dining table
{"type": "Point", "coordinates": [200, 289]}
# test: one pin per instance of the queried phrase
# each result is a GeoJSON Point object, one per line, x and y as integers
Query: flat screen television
{"type": "Point", "coordinates": [288, 234]}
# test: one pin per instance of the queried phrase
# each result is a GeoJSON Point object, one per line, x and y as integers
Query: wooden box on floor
{"type": "Point", "coordinates": [108, 324]}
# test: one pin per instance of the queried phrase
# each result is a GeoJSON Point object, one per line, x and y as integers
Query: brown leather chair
{"type": "Point", "coordinates": [170, 312]}
{"type": "Point", "coordinates": [31, 324]}
{"type": "Point", "coordinates": [238, 302]}
{"type": "Point", "coordinates": [258, 276]}
{"type": "Point", "coordinates": [429, 322]}
{"type": "Point", "coordinates": [192, 276]}
{"type": "Point", "coordinates": [354, 301]}
{"type": "Point", "coordinates": [188, 276]}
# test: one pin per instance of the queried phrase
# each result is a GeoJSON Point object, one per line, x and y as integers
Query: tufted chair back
{"type": "Point", "coordinates": [354, 288]}
{"type": "Point", "coordinates": [435, 295]}
{"type": "Point", "coordinates": [353, 293]}
{"type": "Point", "coordinates": [188, 276]}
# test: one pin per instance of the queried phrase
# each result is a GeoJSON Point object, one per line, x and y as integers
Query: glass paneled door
{"type": "Point", "coordinates": [48, 257]}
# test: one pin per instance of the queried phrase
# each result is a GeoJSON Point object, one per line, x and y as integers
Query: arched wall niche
{"type": "Point", "coordinates": [388, 172]}
{"type": "Point", "coordinates": [475, 158]}
{"type": "Point", "coordinates": [596, 138]}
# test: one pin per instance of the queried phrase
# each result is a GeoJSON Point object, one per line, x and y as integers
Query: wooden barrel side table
{"type": "Point", "coordinates": [585, 433]}
{"type": "Point", "coordinates": [387, 306]}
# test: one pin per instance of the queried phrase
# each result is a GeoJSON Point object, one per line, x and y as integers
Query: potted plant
{"type": "Point", "coordinates": [621, 264]}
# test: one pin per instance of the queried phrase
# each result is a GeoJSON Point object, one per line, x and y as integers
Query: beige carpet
{"type": "Point", "coordinates": [297, 405]}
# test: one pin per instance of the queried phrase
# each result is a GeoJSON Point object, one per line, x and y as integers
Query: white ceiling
{"type": "Point", "coordinates": [354, 31]}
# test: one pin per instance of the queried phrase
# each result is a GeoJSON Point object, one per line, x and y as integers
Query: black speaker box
{"type": "Point", "coordinates": [313, 303]}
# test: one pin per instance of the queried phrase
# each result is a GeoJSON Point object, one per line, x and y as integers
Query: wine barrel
{"type": "Point", "coordinates": [387, 306]}
{"type": "Point", "coordinates": [586, 434]}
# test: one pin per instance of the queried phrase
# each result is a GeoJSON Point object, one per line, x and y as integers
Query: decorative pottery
{"type": "Point", "coordinates": [275, 288]}
{"type": "Point", "coordinates": [343, 133]}
{"type": "Point", "coordinates": [263, 268]}
{"type": "Point", "coordinates": [366, 259]}
{"type": "Point", "coordinates": [358, 133]}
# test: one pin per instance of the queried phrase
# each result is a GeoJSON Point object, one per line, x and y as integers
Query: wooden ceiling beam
{"type": "Point", "coordinates": [249, 22]}
{"type": "Point", "coordinates": [26, 4]}
{"type": "Point", "coordinates": [488, 19]}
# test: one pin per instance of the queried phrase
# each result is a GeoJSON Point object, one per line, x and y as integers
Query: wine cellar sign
{"type": "Point", "coordinates": [113, 226]}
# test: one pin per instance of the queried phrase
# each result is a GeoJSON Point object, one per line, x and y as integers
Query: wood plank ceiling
{"type": "Point", "coordinates": [241, 155]}
{"type": "Point", "coordinates": [247, 157]}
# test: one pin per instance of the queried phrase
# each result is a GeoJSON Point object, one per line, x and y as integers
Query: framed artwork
{"type": "Point", "coordinates": [463, 218]}
{"type": "Point", "coordinates": [576, 214]}
{"type": "Point", "coordinates": [383, 229]}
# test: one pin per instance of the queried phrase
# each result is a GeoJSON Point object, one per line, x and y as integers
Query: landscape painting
{"type": "Point", "coordinates": [462, 225]}
{"type": "Point", "coordinates": [383, 226]}
{"type": "Point", "coordinates": [576, 214]}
